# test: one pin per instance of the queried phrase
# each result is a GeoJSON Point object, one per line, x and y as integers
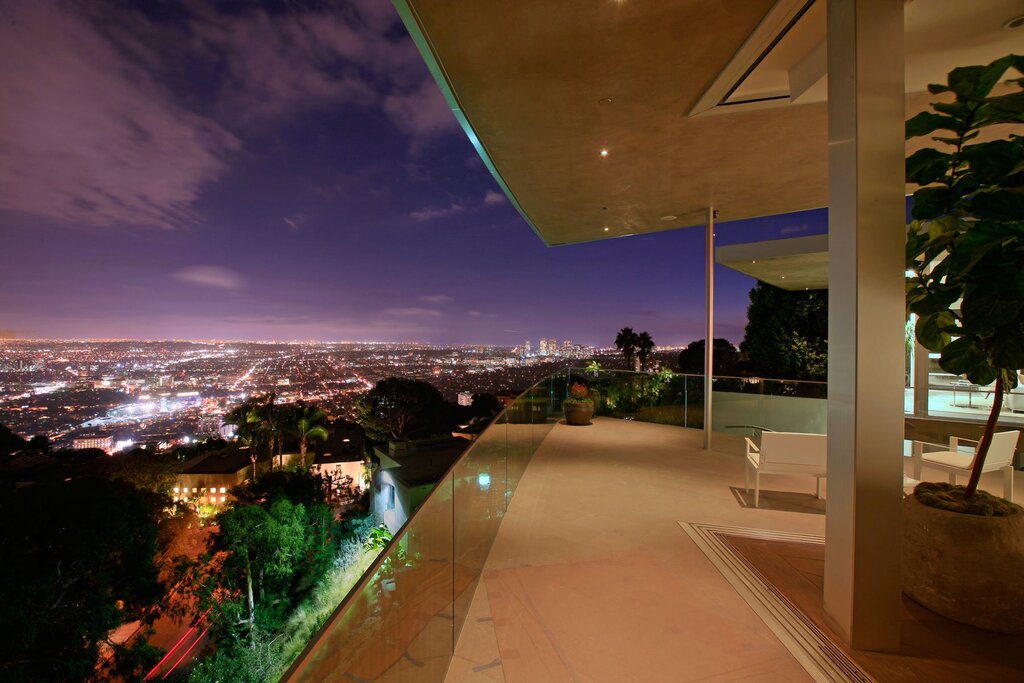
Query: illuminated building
{"type": "Point", "coordinates": [104, 443]}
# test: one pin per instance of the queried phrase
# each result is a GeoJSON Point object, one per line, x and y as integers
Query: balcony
{"type": "Point", "coordinates": [618, 551]}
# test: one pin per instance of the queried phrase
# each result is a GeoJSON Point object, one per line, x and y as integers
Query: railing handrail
{"type": "Point", "coordinates": [700, 376]}
{"type": "Point", "coordinates": [346, 603]}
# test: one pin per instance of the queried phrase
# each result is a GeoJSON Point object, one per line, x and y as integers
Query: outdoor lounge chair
{"type": "Point", "coordinates": [954, 461]}
{"type": "Point", "coordinates": [786, 453]}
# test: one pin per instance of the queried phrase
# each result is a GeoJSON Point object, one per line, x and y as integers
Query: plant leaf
{"type": "Point", "coordinates": [928, 122]}
{"type": "Point", "coordinates": [929, 330]}
{"type": "Point", "coordinates": [927, 166]}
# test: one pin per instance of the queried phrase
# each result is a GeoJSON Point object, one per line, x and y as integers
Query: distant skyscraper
{"type": "Point", "coordinates": [542, 347]}
{"type": "Point", "coordinates": [526, 348]}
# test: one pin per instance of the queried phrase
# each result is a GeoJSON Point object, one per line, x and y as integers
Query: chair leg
{"type": "Point", "coordinates": [1008, 483]}
{"type": "Point", "coordinates": [917, 450]}
{"type": "Point", "coordinates": [746, 476]}
{"type": "Point", "coordinates": [817, 493]}
{"type": "Point", "coordinates": [757, 489]}
{"type": "Point", "coordinates": [952, 478]}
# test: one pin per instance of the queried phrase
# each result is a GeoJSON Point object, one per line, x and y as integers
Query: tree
{"type": "Point", "coordinates": [485, 405]}
{"type": "Point", "coordinates": [787, 333]}
{"type": "Point", "coordinates": [644, 347]}
{"type": "Point", "coordinates": [399, 409]}
{"type": "Point", "coordinates": [626, 341]}
{"type": "Point", "coordinates": [264, 544]}
{"type": "Point", "coordinates": [966, 240]}
{"type": "Point", "coordinates": [78, 562]}
{"type": "Point", "coordinates": [9, 441]}
{"type": "Point", "coordinates": [725, 357]}
{"type": "Point", "coordinates": [307, 423]}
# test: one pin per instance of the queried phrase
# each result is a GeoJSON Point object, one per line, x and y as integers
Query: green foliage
{"type": "Point", "coordinates": [399, 409]}
{"type": "Point", "coordinates": [726, 358]}
{"type": "Point", "coordinates": [787, 333]}
{"type": "Point", "coordinates": [77, 562]}
{"type": "Point", "coordinates": [593, 367]}
{"type": "Point", "coordinates": [955, 499]}
{"type": "Point", "coordinates": [965, 242]}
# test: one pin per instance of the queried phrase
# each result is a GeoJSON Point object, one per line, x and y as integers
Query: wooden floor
{"type": "Point", "coordinates": [934, 648]}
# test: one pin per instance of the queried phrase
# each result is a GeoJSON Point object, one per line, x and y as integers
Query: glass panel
{"type": "Point", "coordinates": [750, 405]}
{"type": "Point", "coordinates": [479, 506]}
{"type": "Point", "coordinates": [404, 618]}
{"type": "Point", "coordinates": [398, 622]}
{"type": "Point", "coordinates": [959, 399]}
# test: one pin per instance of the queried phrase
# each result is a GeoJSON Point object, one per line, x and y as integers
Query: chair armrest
{"type": "Point", "coordinates": [751, 446]}
{"type": "Point", "coordinates": [954, 442]}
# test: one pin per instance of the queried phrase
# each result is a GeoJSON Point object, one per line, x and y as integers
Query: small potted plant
{"type": "Point", "coordinates": [579, 406]}
{"type": "Point", "coordinates": [963, 549]}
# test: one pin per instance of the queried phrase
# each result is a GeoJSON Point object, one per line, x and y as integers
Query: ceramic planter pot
{"type": "Point", "coordinates": [578, 413]}
{"type": "Point", "coordinates": [965, 567]}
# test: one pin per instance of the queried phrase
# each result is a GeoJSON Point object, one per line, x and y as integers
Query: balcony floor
{"type": "Point", "coordinates": [591, 578]}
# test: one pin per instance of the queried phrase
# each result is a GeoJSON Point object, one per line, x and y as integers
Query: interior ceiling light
{"type": "Point", "coordinates": [606, 228]}
{"type": "Point", "coordinates": [1016, 22]}
{"type": "Point", "coordinates": [669, 218]}
{"type": "Point", "coordinates": [604, 152]}
{"type": "Point", "coordinates": [605, 101]}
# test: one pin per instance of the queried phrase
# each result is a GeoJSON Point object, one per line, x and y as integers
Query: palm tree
{"type": "Point", "coordinates": [307, 422]}
{"type": "Point", "coordinates": [626, 341]}
{"type": "Point", "coordinates": [644, 346]}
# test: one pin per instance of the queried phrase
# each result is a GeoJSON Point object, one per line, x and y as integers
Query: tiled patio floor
{"type": "Point", "coordinates": [592, 579]}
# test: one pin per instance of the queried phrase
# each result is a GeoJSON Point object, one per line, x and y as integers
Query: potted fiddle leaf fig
{"type": "Point", "coordinates": [579, 405]}
{"type": "Point", "coordinates": [963, 554]}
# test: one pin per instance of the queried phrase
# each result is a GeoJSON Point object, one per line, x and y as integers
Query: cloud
{"type": "Point", "coordinates": [493, 198]}
{"type": "Point", "coordinates": [89, 137]}
{"type": "Point", "coordinates": [429, 213]}
{"type": "Point", "coordinates": [475, 314]}
{"type": "Point", "coordinates": [437, 298]}
{"type": "Point", "coordinates": [111, 118]}
{"type": "Point", "coordinates": [421, 111]}
{"type": "Point", "coordinates": [217, 277]}
{"type": "Point", "coordinates": [413, 312]}
{"type": "Point", "coordinates": [294, 222]}
{"type": "Point", "coordinates": [480, 314]}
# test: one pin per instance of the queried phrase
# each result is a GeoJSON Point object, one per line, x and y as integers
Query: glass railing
{"type": "Point", "coordinates": [741, 405]}
{"type": "Point", "coordinates": [663, 398]}
{"type": "Point", "coordinates": [750, 405]}
{"type": "Point", "coordinates": [403, 618]}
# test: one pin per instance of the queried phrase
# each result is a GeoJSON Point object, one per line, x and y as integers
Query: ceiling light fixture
{"type": "Point", "coordinates": [669, 217]}
{"type": "Point", "coordinates": [605, 101]}
{"type": "Point", "coordinates": [604, 152]}
{"type": "Point", "coordinates": [1016, 22]}
{"type": "Point", "coordinates": [606, 228]}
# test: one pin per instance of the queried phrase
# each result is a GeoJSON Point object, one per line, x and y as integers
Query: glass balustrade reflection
{"type": "Point", "coordinates": [404, 617]}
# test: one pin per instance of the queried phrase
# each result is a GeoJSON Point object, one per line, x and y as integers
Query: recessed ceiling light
{"type": "Point", "coordinates": [669, 217]}
{"type": "Point", "coordinates": [604, 152]}
{"type": "Point", "coordinates": [606, 228]}
{"type": "Point", "coordinates": [753, 261]}
{"type": "Point", "coordinates": [605, 101]}
{"type": "Point", "coordinates": [1016, 22]}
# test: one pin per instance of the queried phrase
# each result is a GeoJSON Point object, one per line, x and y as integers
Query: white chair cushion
{"type": "Point", "coordinates": [960, 461]}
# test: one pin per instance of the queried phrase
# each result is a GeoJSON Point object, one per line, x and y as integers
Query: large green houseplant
{"type": "Point", "coordinates": [966, 244]}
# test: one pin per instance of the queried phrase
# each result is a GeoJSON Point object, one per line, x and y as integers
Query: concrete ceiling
{"type": "Point", "coordinates": [795, 263]}
{"type": "Point", "coordinates": [541, 88]}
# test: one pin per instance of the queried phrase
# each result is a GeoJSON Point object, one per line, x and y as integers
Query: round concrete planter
{"type": "Point", "coordinates": [965, 567]}
{"type": "Point", "coordinates": [578, 413]}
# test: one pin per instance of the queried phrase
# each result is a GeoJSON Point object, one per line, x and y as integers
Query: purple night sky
{"type": "Point", "coordinates": [214, 170]}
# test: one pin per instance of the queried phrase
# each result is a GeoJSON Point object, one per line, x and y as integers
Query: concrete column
{"type": "Point", "coordinates": [709, 320]}
{"type": "Point", "coordinates": [866, 319]}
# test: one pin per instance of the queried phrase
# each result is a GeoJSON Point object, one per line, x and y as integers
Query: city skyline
{"type": "Point", "coordinates": [291, 173]}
